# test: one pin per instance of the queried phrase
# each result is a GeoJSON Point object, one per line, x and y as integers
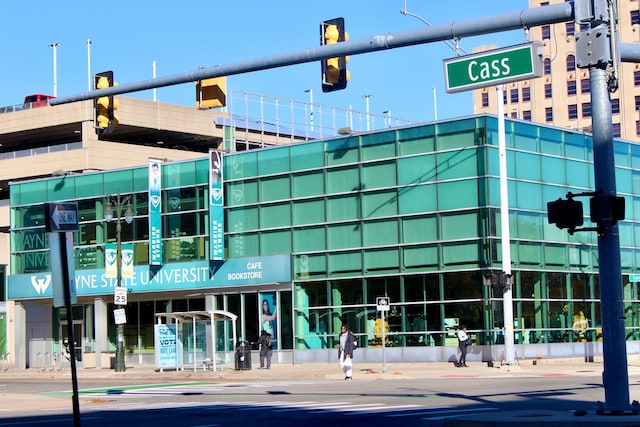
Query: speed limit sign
{"type": "Point", "coordinates": [120, 297]}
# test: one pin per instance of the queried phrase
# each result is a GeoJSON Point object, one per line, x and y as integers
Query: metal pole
{"type": "Point", "coordinates": [89, 83]}
{"type": "Point", "coordinates": [615, 377]}
{"type": "Point", "coordinates": [120, 363]}
{"type": "Point", "coordinates": [507, 301]}
{"type": "Point", "coordinates": [384, 359]}
{"type": "Point", "coordinates": [55, 68]}
{"type": "Point", "coordinates": [525, 18]}
{"type": "Point", "coordinates": [72, 338]}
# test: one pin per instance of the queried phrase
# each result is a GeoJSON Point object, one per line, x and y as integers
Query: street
{"type": "Point", "coordinates": [314, 402]}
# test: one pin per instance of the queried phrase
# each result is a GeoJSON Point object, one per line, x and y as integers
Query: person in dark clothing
{"type": "Point", "coordinates": [266, 349]}
{"type": "Point", "coordinates": [463, 342]}
{"type": "Point", "coordinates": [347, 343]}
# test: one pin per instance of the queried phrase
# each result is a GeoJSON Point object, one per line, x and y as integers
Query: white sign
{"type": "Point", "coordinates": [120, 316]}
{"type": "Point", "coordinates": [383, 303]}
{"type": "Point", "coordinates": [120, 297]}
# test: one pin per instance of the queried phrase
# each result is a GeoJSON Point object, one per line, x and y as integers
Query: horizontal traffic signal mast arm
{"type": "Point", "coordinates": [525, 18]}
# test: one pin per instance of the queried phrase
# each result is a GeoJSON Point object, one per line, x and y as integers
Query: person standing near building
{"type": "Point", "coordinates": [463, 342]}
{"type": "Point", "coordinates": [266, 349]}
{"type": "Point", "coordinates": [347, 343]}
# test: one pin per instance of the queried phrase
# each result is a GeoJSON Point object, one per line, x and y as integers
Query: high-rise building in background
{"type": "Point", "coordinates": [561, 96]}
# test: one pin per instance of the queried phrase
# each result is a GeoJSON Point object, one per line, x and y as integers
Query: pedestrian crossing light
{"type": "Point", "coordinates": [334, 70]}
{"type": "Point", "coordinates": [565, 214]}
{"type": "Point", "coordinates": [105, 106]}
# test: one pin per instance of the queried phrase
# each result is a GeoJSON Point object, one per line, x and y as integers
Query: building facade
{"type": "Point", "coordinates": [561, 97]}
{"type": "Point", "coordinates": [315, 232]}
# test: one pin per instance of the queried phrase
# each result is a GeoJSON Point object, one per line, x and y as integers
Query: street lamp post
{"type": "Point", "coordinates": [115, 205]}
{"type": "Point", "coordinates": [55, 67]}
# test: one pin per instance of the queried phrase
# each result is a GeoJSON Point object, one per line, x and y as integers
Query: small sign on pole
{"type": "Point", "coordinates": [120, 297]}
{"type": "Point", "coordinates": [383, 303]}
{"type": "Point", "coordinates": [120, 316]}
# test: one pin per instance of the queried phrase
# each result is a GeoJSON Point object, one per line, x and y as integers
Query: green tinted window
{"type": "Point", "coordinates": [309, 239]}
{"type": "Point", "coordinates": [277, 215]}
{"type": "Point", "coordinates": [378, 175]}
{"type": "Point", "coordinates": [459, 226]}
{"type": "Point", "coordinates": [379, 204]}
{"type": "Point", "coordinates": [275, 242]}
{"type": "Point", "coordinates": [308, 212]}
{"type": "Point", "coordinates": [416, 140]}
{"type": "Point", "coordinates": [276, 188]}
{"type": "Point", "coordinates": [416, 169]}
{"type": "Point", "coordinates": [342, 236]}
{"type": "Point", "coordinates": [379, 233]}
{"type": "Point", "coordinates": [468, 191]}
{"type": "Point", "coordinates": [342, 151]}
{"type": "Point", "coordinates": [273, 160]}
{"type": "Point", "coordinates": [242, 218]}
{"type": "Point", "coordinates": [379, 145]}
{"type": "Point", "coordinates": [418, 198]}
{"type": "Point", "coordinates": [343, 208]}
{"type": "Point", "coordinates": [308, 184]}
{"type": "Point", "coordinates": [307, 156]}
{"type": "Point", "coordinates": [343, 180]}
{"type": "Point", "coordinates": [415, 230]}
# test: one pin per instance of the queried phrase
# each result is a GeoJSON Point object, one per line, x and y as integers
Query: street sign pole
{"type": "Point", "coordinates": [382, 304]}
{"type": "Point", "coordinates": [62, 218]}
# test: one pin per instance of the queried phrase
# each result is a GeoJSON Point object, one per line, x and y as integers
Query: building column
{"type": "Point", "coordinates": [100, 321]}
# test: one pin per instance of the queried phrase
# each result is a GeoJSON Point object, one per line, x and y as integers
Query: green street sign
{"type": "Point", "coordinates": [493, 67]}
{"type": "Point", "coordinates": [634, 277]}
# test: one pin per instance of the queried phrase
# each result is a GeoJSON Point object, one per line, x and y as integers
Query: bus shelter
{"type": "Point", "coordinates": [193, 335]}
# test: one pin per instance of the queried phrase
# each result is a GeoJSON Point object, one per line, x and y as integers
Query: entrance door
{"type": "Point", "coordinates": [77, 336]}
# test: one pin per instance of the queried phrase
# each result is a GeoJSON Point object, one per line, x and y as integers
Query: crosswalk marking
{"type": "Point", "coordinates": [313, 407]}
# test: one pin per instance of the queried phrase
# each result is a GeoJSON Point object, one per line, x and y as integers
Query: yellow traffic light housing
{"type": "Point", "coordinates": [105, 106]}
{"type": "Point", "coordinates": [211, 93]}
{"type": "Point", "coordinates": [334, 70]}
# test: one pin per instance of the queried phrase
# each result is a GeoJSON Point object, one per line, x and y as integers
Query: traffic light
{"type": "Point", "coordinates": [334, 70]}
{"type": "Point", "coordinates": [565, 214]}
{"type": "Point", "coordinates": [211, 93]}
{"type": "Point", "coordinates": [105, 106]}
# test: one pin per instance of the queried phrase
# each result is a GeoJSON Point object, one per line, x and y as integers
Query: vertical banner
{"type": "Point", "coordinates": [216, 207]}
{"type": "Point", "coordinates": [111, 261]}
{"type": "Point", "coordinates": [155, 211]}
{"type": "Point", "coordinates": [127, 260]}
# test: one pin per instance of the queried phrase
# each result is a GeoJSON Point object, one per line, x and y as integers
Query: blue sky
{"type": "Point", "coordinates": [128, 36]}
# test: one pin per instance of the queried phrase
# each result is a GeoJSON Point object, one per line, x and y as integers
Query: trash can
{"type": "Point", "coordinates": [243, 356]}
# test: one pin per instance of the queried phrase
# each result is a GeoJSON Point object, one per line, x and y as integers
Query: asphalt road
{"type": "Point", "coordinates": [309, 403]}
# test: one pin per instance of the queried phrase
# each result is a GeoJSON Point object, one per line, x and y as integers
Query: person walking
{"type": "Point", "coordinates": [266, 349]}
{"type": "Point", "coordinates": [463, 342]}
{"type": "Point", "coordinates": [347, 343]}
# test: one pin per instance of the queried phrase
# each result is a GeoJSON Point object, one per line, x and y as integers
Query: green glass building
{"type": "Point", "coordinates": [412, 214]}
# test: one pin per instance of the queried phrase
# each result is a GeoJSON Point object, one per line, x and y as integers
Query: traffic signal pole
{"type": "Point", "coordinates": [525, 18]}
{"type": "Point", "coordinates": [594, 54]}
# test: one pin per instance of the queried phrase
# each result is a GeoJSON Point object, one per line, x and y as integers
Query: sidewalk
{"type": "Point", "coordinates": [327, 371]}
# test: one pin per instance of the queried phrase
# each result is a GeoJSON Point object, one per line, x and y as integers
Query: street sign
{"type": "Point", "coordinates": [383, 303]}
{"type": "Point", "coordinates": [634, 277]}
{"type": "Point", "coordinates": [493, 67]}
{"type": "Point", "coordinates": [120, 297]}
{"type": "Point", "coordinates": [119, 316]}
{"type": "Point", "coordinates": [61, 216]}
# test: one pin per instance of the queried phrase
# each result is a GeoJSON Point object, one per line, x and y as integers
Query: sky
{"type": "Point", "coordinates": [128, 36]}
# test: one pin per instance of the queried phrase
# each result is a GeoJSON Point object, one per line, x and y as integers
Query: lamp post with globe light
{"type": "Point", "coordinates": [114, 209]}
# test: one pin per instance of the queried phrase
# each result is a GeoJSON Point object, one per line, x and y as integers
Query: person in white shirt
{"type": "Point", "coordinates": [463, 342]}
